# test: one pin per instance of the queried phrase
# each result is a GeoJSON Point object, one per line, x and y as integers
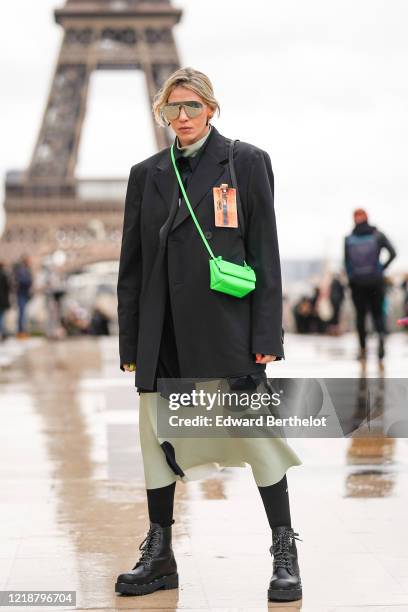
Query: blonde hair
{"type": "Point", "coordinates": [187, 77]}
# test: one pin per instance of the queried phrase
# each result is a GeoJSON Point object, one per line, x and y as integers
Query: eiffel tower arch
{"type": "Point", "coordinates": [47, 208]}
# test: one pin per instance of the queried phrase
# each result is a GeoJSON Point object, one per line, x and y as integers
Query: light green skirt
{"type": "Point", "coordinates": [200, 457]}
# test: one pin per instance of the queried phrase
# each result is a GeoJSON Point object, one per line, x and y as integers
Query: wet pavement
{"type": "Point", "coordinates": [73, 508]}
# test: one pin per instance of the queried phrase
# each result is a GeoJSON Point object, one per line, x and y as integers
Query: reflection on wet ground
{"type": "Point", "coordinates": [73, 508]}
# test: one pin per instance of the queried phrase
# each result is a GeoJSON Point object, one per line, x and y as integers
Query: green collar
{"type": "Point", "coordinates": [192, 149]}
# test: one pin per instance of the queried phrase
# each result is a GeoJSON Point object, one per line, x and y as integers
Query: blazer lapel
{"type": "Point", "coordinates": [166, 180]}
{"type": "Point", "coordinates": [210, 169]}
{"type": "Point", "coordinates": [167, 185]}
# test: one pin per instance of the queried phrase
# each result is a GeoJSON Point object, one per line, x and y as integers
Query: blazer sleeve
{"type": "Point", "coordinates": [263, 255]}
{"type": "Point", "coordinates": [130, 274]}
{"type": "Point", "coordinates": [386, 244]}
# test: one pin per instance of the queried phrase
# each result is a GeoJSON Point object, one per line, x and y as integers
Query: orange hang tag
{"type": "Point", "coordinates": [225, 206]}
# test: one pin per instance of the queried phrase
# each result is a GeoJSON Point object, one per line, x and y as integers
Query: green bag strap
{"type": "Point", "coordinates": [183, 191]}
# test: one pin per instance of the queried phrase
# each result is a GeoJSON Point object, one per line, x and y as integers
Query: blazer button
{"type": "Point", "coordinates": [208, 235]}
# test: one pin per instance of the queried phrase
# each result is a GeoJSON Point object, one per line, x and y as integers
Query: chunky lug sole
{"type": "Point", "coordinates": [164, 582]}
{"type": "Point", "coordinates": [284, 594]}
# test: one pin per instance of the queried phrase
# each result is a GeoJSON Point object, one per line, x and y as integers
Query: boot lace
{"type": "Point", "coordinates": [280, 549]}
{"type": "Point", "coordinates": [149, 547]}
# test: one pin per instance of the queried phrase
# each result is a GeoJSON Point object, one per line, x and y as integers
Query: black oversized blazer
{"type": "Point", "coordinates": [217, 335]}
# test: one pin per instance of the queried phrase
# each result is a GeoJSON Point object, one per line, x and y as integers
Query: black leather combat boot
{"type": "Point", "coordinates": [156, 568]}
{"type": "Point", "coordinates": [285, 583]}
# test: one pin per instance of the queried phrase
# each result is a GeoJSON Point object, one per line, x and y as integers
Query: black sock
{"type": "Point", "coordinates": [160, 502]}
{"type": "Point", "coordinates": [276, 501]}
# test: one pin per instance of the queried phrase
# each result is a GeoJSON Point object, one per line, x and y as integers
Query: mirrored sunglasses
{"type": "Point", "coordinates": [192, 108]}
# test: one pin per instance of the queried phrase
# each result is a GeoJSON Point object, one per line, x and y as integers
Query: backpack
{"type": "Point", "coordinates": [362, 261]}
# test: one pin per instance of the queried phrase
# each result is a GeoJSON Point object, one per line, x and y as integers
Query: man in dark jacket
{"type": "Point", "coordinates": [365, 273]}
{"type": "Point", "coordinates": [23, 282]}
{"type": "Point", "coordinates": [4, 297]}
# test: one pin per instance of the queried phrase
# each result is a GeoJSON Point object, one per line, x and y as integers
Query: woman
{"type": "Point", "coordinates": [173, 326]}
{"type": "Point", "coordinates": [23, 281]}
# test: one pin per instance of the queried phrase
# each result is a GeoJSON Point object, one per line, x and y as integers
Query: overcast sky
{"type": "Point", "coordinates": [320, 85]}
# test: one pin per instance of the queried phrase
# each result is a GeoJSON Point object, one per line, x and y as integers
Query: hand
{"type": "Point", "coordinates": [129, 367]}
{"type": "Point", "coordinates": [261, 358]}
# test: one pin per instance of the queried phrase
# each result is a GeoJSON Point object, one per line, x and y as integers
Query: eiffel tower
{"type": "Point", "coordinates": [47, 208]}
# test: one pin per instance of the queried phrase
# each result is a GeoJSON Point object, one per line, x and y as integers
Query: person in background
{"type": "Point", "coordinates": [4, 298]}
{"type": "Point", "coordinates": [365, 272]}
{"type": "Point", "coordinates": [336, 298]}
{"type": "Point", "coordinates": [388, 289]}
{"type": "Point", "coordinates": [303, 314]}
{"type": "Point", "coordinates": [99, 325]}
{"type": "Point", "coordinates": [23, 280]}
{"type": "Point", "coordinates": [404, 287]}
{"type": "Point", "coordinates": [51, 283]}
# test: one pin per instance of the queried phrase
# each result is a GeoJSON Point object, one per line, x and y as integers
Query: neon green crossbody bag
{"type": "Point", "coordinates": [225, 276]}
